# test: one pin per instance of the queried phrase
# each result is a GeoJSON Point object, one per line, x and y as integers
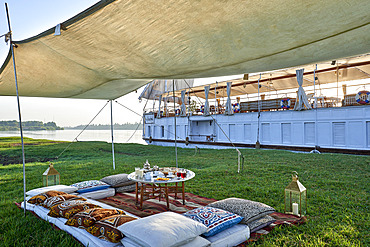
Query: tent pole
{"type": "Point", "coordinates": [258, 145]}
{"type": "Point", "coordinates": [111, 130]}
{"type": "Point", "coordinates": [19, 111]}
{"type": "Point", "coordinates": [174, 108]}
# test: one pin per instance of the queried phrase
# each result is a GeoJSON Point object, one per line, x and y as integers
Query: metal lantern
{"type": "Point", "coordinates": [51, 176]}
{"type": "Point", "coordinates": [295, 197]}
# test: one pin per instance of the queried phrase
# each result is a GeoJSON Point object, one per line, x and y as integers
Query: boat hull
{"type": "Point", "coordinates": [337, 129]}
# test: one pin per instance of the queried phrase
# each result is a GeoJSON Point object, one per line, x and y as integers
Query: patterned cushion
{"type": "Point", "coordinates": [260, 223]}
{"type": "Point", "coordinates": [89, 216]}
{"type": "Point", "coordinates": [91, 185]}
{"type": "Point", "coordinates": [126, 188]}
{"type": "Point", "coordinates": [250, 210]}
{"type": "Point", "coordinates": [215, 219]}
{"type": "Point", "coordinates": [117, 180]}
{"type": "Point", "coordinates": [40, 198]}
{"type": "Point", "coordinates": [107, 228]}
{"type": "Point", "coordinates": [69, 208]}
{"type": "Point", "coordinates": [52, 201]}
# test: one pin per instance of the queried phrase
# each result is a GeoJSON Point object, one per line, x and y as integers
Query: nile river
{"type": "Point", "coordinates": [120, 136]}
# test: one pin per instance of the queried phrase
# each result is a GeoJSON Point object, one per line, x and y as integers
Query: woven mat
{"type": "Point", "coordinates": [126, 201]}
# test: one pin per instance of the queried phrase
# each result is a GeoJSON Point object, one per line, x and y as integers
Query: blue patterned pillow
{"type": "Point", "coordinates": [215, 219]}
{"type": "Point", "coordinates": [91, 185]}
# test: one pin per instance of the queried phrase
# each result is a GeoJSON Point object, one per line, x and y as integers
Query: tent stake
{"type": "Point", "coordinates": [111, 130]}
{"type": "Point", "coordinates": [19, 111]}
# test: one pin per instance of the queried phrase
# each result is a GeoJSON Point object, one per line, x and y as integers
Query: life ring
{"type": "Point", "coordinates": [202, 108]}
{"type": "Point", "coordinates": [285, 103]}
{"type": "Point", "coordinates": [236, 107]}
{"type": "Point", "coordinates": [363, 100]}
{"type": "Point", "coordinates": [177, 112]}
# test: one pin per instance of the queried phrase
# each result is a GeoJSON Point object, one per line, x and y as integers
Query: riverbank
{"type": "Point", "coordinates": [337, 186]}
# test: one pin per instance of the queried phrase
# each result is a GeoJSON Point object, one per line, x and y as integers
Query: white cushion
{"type": "Point", "coordinates": [60, 187]}
{"type": "Point", "coordinates": [166, 229]}
{"type": "Point", "coordinates": [196, 242]}
{"type": "Point", "coordinates": [230, 237]}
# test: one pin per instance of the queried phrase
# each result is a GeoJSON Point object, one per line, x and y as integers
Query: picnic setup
{"type": "Point", "coordinates": [143, 209]}
{"type": "Point", "coordinates": [238, 193]}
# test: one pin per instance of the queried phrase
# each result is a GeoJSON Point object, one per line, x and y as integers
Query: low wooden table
{"type": "Point", "coordinates": [150, 189]}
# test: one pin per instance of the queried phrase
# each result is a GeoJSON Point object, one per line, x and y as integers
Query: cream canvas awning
{"type": "Point", "coordinates": [115, 47]}
{"type": "Point", "coordinates": [354, 68]}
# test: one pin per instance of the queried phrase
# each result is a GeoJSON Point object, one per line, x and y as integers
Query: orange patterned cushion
{"type": "Point", "coordinates": [69, 208]}
{"type": "Point", "coordinates": [107, 228]}
{"type": "Point", "coordinates": [88, 217]}
{"type": "Point", "coordinates": [40, 198]}
{"type": "Point", "coordinates": [52, 201]}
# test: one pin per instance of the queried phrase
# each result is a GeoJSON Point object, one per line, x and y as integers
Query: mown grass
{"type": "Point", "coordinates": [337, 184]}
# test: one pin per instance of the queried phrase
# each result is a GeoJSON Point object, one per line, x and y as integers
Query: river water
{"type": "Point", "coordinates": [120, 136]}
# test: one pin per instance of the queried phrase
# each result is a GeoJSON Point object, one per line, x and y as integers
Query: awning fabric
{"type": "Point", "coordinates": [116, 46]}
{"type": "Point", "coordinates": [353, 68]}
{"type": "Point", "coordinates": [301, 101]}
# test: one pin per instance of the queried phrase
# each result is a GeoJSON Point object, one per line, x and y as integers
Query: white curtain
{"type": "Point", "coordinates": [229, 107]}
{"type": "Point", "coordinates": [183, 107]}
{"type": "Point", "coordinates": [301, 102]}
{"type": "Point", "coordinates": [159, 106]}
{"type": "Point", "coordinates": [206, 104]}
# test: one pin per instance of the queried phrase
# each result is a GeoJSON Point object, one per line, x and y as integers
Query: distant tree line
{"type": "Point", "coordinates": [126, 126]}
{"type": "Point", "coordinates": [13, 125]}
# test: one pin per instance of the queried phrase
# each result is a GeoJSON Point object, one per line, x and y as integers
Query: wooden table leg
{"type": "Point", "coordinates": [176, 191]}
{"type": "Point", "coordinates": [142, 195]}
{"type": "Point", "coordinates": [166, 193]}
{"type": "Point", "coordinates": [183, 193]}
{"type": "Point", "coordinates": [137, 192]}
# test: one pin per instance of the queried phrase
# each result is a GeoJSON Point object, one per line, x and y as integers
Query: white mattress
{"type": "Point", "coordinates": [60, 187]}
{"type": "Point", "coordinates": [99, 194]}
{"type": "Point", "coordinates": [230, 237]}
{"type": "Point", "coordinates": [80, 234]}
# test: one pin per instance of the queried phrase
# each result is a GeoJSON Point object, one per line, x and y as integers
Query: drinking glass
{"type": "Point", "coordinates": [137, 169]}
{"type": "Point", "coordinates": [178, 173]}
{"type": "Point", "coordinates": [183, 173]}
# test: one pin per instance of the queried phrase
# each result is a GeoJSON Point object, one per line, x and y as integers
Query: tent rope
{"type": "Point", "coordinates": [168, 131]}
{"type": "Point", "coordinates": [75, 139]}
{"type": "Point", "coordinates": [239, 153]}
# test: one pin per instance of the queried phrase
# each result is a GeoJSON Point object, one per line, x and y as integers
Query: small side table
{"type": "Point", "coordinates": [150, 189]}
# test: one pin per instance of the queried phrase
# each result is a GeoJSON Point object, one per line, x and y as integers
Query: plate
{"type": "Point", "coordinates": [170, 176]}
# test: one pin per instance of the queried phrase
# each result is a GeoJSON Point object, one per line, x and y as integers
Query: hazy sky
{"type": "Point", "coordinates": [31, 17]}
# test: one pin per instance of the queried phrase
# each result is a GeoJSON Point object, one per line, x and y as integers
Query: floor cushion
{"type": "Point", "coordinates": [164, 229]}
{"type": "Point", "coordinates": [215, 219]}
{"type": "Point", "coordinates": [249, 210]}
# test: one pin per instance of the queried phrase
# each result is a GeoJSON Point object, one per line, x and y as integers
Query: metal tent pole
{"type": "Point", "coordinates": [19, 110]}
{"type": "Point", "coordinates": [258, 145]}
{"type": "Point", "coordinates": [174, 108]}
{"type": "Point", "coordinates": [111, 130]}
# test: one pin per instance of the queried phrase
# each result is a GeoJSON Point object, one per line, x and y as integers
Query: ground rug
{"type": "Point", "coordinates": [127, 202]}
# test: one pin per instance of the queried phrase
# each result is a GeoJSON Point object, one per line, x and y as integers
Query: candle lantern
{"type": "Point", "coordinates": [295, 197]}
{"type": "Point", "coordinates": [51, 176]}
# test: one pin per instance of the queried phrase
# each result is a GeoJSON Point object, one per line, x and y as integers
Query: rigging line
{"type": "Point", "coordinates": [82, 130]}
{"type": "Point", "coordinates": [143, 117]}
{"type": "Point", "coordinates": [137, 127]}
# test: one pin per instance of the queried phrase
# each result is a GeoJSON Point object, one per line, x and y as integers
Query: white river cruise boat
{"type": "Point", "coordinates": [322, 107]}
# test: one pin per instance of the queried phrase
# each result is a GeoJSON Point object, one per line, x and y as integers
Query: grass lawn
{"type": "Point", "coordinates": [338, 186]}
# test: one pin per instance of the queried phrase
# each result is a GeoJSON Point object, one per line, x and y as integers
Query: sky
{"type": "Point", "coordinates": [31, 17]}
